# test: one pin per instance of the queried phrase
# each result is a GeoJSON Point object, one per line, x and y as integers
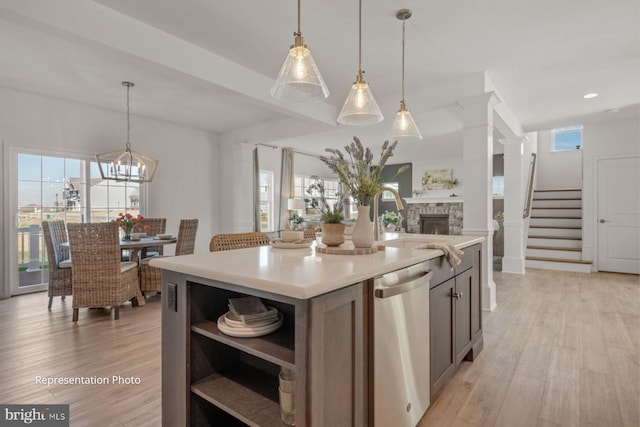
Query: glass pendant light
{"type": "Point", "coordinates": [127, 165]}
{"type": "Point", "coordinates": [299, 79]}
{"type": "Point", "coordinates": [404, 127]}
{"type": "Point", "coordinates": [360, 107]}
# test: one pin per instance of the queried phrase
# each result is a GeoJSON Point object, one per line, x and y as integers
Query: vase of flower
{"type": "Point", "coordinates": [129, 223]}
{"type": "Point", "coordinates": [363, 180]}
{"type": "Point", "coordinates": [362, 236]}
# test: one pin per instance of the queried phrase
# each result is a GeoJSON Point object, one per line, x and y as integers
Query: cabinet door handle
{"type": "Point", "coordinates": [456, 295]}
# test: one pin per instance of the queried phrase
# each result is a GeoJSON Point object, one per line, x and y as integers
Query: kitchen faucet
{"type": "Point", "coordinates": [376, 219]}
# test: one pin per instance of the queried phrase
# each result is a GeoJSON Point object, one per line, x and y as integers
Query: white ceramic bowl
{"type": "Point", "coordinates": [291, 235]}
{"type": "Point", "coordinates": [164, 236]}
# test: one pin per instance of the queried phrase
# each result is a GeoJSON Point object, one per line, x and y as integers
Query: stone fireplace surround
{"type": "Point", "coordinates": [454, 210]}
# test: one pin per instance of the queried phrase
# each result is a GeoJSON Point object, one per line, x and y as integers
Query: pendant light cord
{"type": "Point", "coordinates": [403, 22]}
{"type": "Point", "coordinates": [128, 121]}
{"type": "Point", "coordinates": [360, 37]}
{"type": "Point", "coordinates": [299, 33]}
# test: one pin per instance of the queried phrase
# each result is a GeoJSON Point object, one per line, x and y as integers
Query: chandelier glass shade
{"type": "Point", "coordinates": [404, 127]}
{"type": "Point", "coordinates": [299, 79]}
{"type": "Point", "coordinates": [360, 107]}
{"type": "Point", "coordinates": [127, 165]}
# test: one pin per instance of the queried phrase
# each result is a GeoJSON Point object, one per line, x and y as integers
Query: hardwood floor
{"type": "Point", "coordinates": [36, 342]}
{"type": "Point", "coordinates": [561, 349]}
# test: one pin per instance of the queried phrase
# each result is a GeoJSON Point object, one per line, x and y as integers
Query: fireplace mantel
{"type": "Point", "coordinates": [411, 200]}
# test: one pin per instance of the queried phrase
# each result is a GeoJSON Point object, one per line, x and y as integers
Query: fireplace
{"type": "Point", "coordinates": [434, 224]}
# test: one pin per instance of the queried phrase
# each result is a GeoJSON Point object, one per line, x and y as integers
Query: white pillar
{"type": "Point", "coordinates": [513, 260]}
{"type": "Point", "coordinates": [242, 183]}
{"type": "Point", "coordinates": [477, 180]}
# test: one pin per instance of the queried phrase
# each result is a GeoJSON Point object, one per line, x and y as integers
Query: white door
{"type": "Point", "coordinates": [619, 215]}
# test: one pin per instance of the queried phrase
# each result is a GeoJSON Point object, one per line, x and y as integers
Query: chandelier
{"type": "Point", "coordinates": [127, 165]}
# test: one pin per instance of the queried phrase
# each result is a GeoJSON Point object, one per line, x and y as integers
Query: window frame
{"type": "Point", "coordinates": [563, 131]}
{"type": "Point", "coordinates": [271, 227]}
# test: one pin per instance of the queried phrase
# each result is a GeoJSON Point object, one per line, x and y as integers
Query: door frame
{"type": "Point", "coordinates": [595, 204]}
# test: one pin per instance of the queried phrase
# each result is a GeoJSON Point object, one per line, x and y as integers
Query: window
{"type": "Point", "coordinates": [388, 195]}
{"type": "Point", "coordinates": [266, 201]}
{"type": "Point", "coordinates": [567, 138]}
{"type": "Point", "coordinates": [301, 183]}
{"type": "Point", "coordinates": [498, 186]}
{"type": "Point", "coordinates": [61, 188]}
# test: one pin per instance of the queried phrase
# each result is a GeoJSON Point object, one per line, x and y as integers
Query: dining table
{"type": "Point", "coordinates": [138, 248]}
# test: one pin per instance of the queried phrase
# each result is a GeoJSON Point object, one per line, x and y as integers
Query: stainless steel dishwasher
{"type": "Point", "coordinates": [401, 346]}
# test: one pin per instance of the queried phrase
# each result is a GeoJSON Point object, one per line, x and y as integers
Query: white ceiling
{"type": "Point", "coordinates": [209, 64]}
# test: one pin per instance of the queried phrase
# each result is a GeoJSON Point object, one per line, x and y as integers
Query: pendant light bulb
{"type": "Point", "coordinates": [404, 127]}
{"type": "Point", "coordinates": [299, 79]}
{"type": "Point", "coordinates": [360, 108]}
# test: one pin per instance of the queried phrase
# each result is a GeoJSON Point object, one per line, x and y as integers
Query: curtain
{"type": "Point", "coordinates": [256, 191]}
{"type": "Point", "coordinates": [286, 187]}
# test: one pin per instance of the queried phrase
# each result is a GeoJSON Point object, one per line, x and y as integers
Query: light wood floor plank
{"type": "Point", "coordinates": [522, 404]}
{"type": "Point", "coordinates": [563, 347]}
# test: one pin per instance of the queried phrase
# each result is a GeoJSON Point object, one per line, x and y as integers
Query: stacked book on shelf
{"type": "Point", "coordinates": [249, 317]}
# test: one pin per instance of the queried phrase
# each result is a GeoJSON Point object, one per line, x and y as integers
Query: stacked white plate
{"type": "Point", "coordinates": [266, 323]}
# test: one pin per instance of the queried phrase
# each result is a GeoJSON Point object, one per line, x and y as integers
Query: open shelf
{"type": "Point", "coordinates": [248, 394]}
{"type": "Point", "coordinates": [276, 347]}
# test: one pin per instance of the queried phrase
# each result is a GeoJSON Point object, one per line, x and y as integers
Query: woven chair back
{"type": "Point", "coordinates": [186, 237]}
{"type": "Point", "coordinates": [55, 234]}
{"type": "Point", "coordinates": [227, 242]}
{"type": "Point", "coordinates": [156, 226]}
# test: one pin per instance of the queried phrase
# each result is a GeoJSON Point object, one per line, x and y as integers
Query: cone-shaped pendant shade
{"type": "Point", "coordinates": [360, 107]}
{"type": "Point", "coordinates": [404, 127]}
{"type": "Point", "coordinates": [299, 79]}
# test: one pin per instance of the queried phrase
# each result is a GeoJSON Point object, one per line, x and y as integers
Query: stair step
{"type": "Point", "coordinates": [554, 248]}
{"type": "Point", "coordinates": [554, 243]}
{"type": "Point", "coordinates": [559, 266]}
{"type": "Point", "coordinates": [555, 217]}
{"type": "Point", "coordinates": [558, 207]}
{"type": "Point", "coordinates": [556, 237]}
{"type": "Point", "coordinates": [557, 203]}
{"type": "Point", "coordinates": [561, 198]}
{"type": "Point", "coordinates": [559, 189]}
{"type": "Point", "coordinates": [572, 261]}
{"type": "Point", "coordinates": [556, 213]}
{"type": "Point", "coordinates": [556, 254]}
{"type": "Point", "coordinates": [562, 222]}
{"type": "Point", "coordinates": [561, 227]}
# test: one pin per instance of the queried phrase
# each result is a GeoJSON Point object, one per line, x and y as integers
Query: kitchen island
{"type": "Point", "coordinates": [209, 378]}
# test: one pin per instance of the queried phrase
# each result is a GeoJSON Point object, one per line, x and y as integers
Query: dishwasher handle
{"type": "Point", "coordinates": [385, 292]}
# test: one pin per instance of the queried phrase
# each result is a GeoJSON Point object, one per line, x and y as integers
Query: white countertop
{"type": "Point", "coordinates": [301, 273]}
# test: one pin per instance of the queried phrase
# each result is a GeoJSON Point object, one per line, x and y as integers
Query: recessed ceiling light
{"type": "Point", "coordinates": [611, 110]}
{"type": "Point", "coordinates": [590, 95]}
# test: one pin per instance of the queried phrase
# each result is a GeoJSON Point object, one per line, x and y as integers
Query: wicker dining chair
{"type": "Point", "coordinates": [99, 278]}
{"type": "Point", "coordinates": [55, 234]}
{"type": "Point", "coordinates": [155, 226]}
{"type": "Point", "coordinates": [227, 242]}
{"type": "Point", "coordinates": [151, 277]}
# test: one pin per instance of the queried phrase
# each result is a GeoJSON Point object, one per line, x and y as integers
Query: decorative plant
{"type": "Point", "coordinates": [129, 223]}
{"type": "Point", "coordinates": [296, 218]}
{"type": "Point", "coordinates": [329, 213]}
{"type": "Point", "coordinates": [391, 218]}
{"type": "Point", "coordinates": [358, 173]}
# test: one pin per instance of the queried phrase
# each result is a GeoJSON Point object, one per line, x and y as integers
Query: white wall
{"type": "Point", "coordinates": [612, 139]}
{"type": "Point", "coordinates": [185, 185]}
{"type": "Point", "coordinates": [557, 170]}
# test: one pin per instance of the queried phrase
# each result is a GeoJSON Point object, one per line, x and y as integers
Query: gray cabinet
{"type": "Point", "coordinates": [209, 378]}
{"type": "Point", "coordinates": [455, 317]}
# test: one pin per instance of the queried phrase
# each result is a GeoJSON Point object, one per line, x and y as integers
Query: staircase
{"type": "Point", "coordinates": [555, 231]}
